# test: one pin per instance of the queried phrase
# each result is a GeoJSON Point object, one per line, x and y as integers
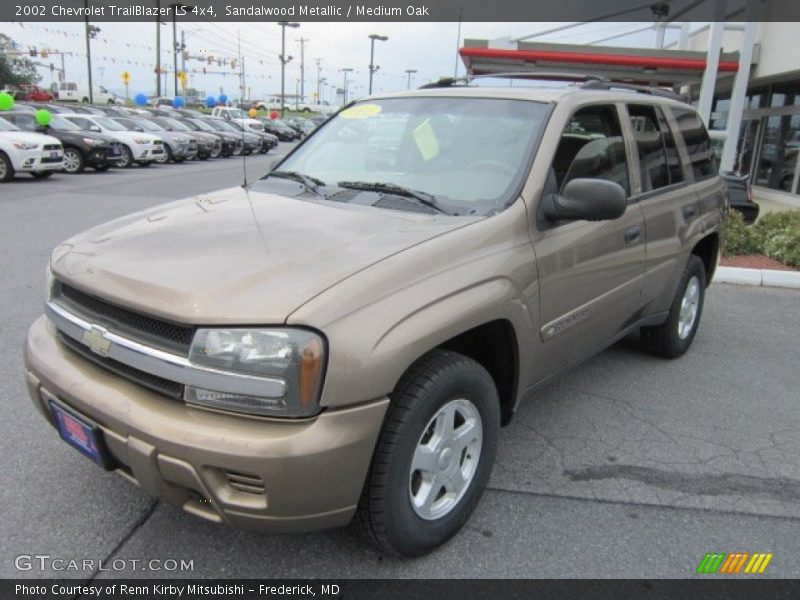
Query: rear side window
{"type": "Point", "coordinates": [592, 146]}
{"type": "Point", "coordinates": [650, 144]}
{"type": "Point", "coordinates": [698, 144]}
{"type": "Point", "coordinates": [673, 158]}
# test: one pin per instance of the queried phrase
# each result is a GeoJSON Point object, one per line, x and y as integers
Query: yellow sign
{"type": "Point", "coordinates": [426, 141]}
{"type": "Point", "coordinates": [126, 77]}
{"type": "Point", "coordinates": [361, 111]}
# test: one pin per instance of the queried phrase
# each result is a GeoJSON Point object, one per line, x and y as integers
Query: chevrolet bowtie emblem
{"type": "Point", "coordinates": [96, 339]}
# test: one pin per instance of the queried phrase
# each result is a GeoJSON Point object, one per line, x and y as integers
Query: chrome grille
{"type": "Point", "coordinates": [173, 337]}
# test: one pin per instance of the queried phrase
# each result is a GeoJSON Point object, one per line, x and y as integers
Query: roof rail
{"type": "Point", "coordinates": [641, 89]}
{"type": "Point", "coordinates": [445, 82]}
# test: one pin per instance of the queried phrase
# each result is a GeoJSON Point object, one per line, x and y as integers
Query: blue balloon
{"type": "Point", "coordinates": [211, 102]}
{"type": "Point", "coordinates": [223, 99]}
{"type": "Point", "coordinates": [177, 102]}
{"type": "Point", "coordinates": [140, 99]}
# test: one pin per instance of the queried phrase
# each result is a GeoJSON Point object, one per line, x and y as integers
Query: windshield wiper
{"type": "Point", "coordinates": [311, 184]}
{"type": "Point", "coordinates": [423, 198]}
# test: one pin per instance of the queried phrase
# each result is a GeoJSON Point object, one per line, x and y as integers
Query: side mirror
{"type": "Point", "coordinates": [586, 199]}
{"type": "Point", "coordinates": [95, 128]}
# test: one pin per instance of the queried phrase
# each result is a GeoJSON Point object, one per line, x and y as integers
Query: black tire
{"type": "Point", "coordinates": [41, 174]}
{"type": "Point", "coordinates": [386, 517]}
{"type": "Point", "coordinates": [80, 161]}
{"type": "Point", "coordinates": [665, 340]}
{"type": "Point", "coordinates": [166, 157]}
{"type": "Point", "coordinates": [101, 168]}
{"type": "Point", "coordinates": [145, 163]}
{"type": "Point", "coordinates": [126, 158]}
{"type": "Point", "coordinates": [6, 168]}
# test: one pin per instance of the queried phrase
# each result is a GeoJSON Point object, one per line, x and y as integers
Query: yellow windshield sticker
{"type": "Point", "coordinates": [360, 111]}
{"type": "Point", "coordinates": [426, 141]}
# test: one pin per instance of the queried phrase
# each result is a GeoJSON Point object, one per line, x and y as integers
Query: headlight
{"type": "Point", "coordinates": [24, 145]}
{"type": "Point", "coordinates": [93, 142]}
{"type": "Point", "coordinates": [289, 360]}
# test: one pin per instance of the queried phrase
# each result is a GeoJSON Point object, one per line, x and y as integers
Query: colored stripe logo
{"type": "Point", "coordinates": [734, 563]}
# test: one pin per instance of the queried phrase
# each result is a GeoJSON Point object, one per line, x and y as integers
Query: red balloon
{"type": "Point", "coordinates": [273, 114]}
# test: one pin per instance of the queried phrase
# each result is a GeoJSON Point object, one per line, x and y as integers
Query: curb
{"type": "Point", "coordinates": [758, 277]}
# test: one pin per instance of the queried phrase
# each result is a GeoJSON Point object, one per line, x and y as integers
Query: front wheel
{"type": "Point", "coordinates": [126, 158]}
{"type": "Point", "coordinates": [165, 156]}
{"type": "Point", "coordinates": [73, 161]}
{"type": "Point", "coordinates": [434, 455]}
{"type": "Point", "coordinates": [674, 336]}
{"type": "Point", "coordinates": [6, 168]}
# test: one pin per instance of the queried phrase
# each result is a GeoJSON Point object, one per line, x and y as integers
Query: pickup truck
{"type": "Point", "coordinates": [344, 339]}
{"type": "Point", "coordinates": [237, 114]}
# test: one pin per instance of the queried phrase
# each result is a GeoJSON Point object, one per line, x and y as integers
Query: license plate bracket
{"type": "Point", "coordinates": [85, 437]}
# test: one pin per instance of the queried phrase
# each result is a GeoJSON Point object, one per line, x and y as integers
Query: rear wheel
{"type": "Point", "coordinates": [674, 336]}
{"type": "Point", "coordinates": [73, 161]}
{"type": "Point", "coordinates": [6, 168]}
{"type": "Point", "coordinates": [434, 455]}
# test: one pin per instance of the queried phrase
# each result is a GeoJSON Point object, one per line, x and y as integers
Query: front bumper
{"type": "Point", "coordinates": [39, 160]}
{"type": "Point", "coordinates": [261, 474]}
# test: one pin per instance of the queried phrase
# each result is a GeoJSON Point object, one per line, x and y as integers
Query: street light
{"type": "Point", "coordinates": [409, 73]}
{"type": "Point", "coordinates": [344, 85]}
{"type": "Point", "coordinates": [284, 59]}
{"type": "Point", "coordinates": [372, 67]}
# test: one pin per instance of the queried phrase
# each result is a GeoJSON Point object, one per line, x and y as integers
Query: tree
{"type": "Point", "coordinates": [15, 69]}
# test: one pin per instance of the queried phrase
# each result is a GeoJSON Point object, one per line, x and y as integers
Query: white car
{"type": "Point", "coordinates": [25, 152]}
{"type": "Point", "coordinates": [137, 147]}
{"type": "Point", "coordinates": [70, 91]}
{"type": "Point", "coordinates": [238, 115]}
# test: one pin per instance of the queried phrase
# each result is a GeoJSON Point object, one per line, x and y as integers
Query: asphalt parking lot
{"type": "Point", "coordinates": [627, 466]}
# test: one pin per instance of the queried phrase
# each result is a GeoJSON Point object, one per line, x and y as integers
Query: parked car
{"type": "Point", "coordinates": [236, 114]}
{"type": "Point", "coordinates": [178, 147]}
{"type": "Point", "coordinates": [301, 125]}
{"type": "Point", "coordinates": [281, 130]}
{"type": "Point", "coordinates": [136, 147]}
{"type": "Point", "coordinates": [267, 140]}
{"type": "Point", "coordinates": [209, 145]}
{"type": "Point", "coordinates": [27, 152]}
{"type": "Point", "coordinates": [340, 341]}
{"type": "Point", "coordinates": [230, 144]}
{"type": "Point", "coordinates": [34, 93]}
{"type": "Point", "coordinates": [81, 148]}
{"type": "Point", "coordinates": [71, 91]}
{"type": "Point", "coordinates": [738, 185]}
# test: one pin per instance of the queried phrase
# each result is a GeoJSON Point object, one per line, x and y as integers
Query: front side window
{"type": "Point", "coordinates": [469, 154]}
{"type": "Point", "coordinates": [698, 144]}
{"type": "Point", "coordinates": [592, 146]}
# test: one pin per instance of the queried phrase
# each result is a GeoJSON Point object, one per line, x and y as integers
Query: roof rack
{"type": "Point", "coordinates": [641, 89]}
{"type": "Point", "coordinates": [543, 75]}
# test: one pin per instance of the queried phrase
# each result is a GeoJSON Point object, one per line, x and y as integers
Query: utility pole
{"type": "Point", "coordinates": [183, 50]}
{"type": "Point", "coordinates": [302, 41]}
{"type": "Point", "coordinates": [158, 48]}
{"type": "Point", "coordinates": [174, 49]}
{"type": "Point", "coordinates": [372, 67]}
{"type": "Point", "coordinates": [91, 31]}
{"type": "Point", "coordinates": [409, 72]}
{"type": "Point", "coordinates": [344, 85]}
{"type": "Point", "coordinates": [284, 60]}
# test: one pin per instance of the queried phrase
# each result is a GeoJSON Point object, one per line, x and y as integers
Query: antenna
{"type": "Point", "coordinates": [241, 103]}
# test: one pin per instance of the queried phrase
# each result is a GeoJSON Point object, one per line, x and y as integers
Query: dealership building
{"type": "Point", "coordinates": [749, 90]}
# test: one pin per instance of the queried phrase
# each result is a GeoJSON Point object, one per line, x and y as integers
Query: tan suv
{"type": "Point", "coordinates": [346, 336]}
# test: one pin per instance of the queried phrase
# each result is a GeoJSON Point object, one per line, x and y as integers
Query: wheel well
{"type": "Point", "coordinates": [707, 249]}
{"type": "Point", "coordinates": [494, 346]}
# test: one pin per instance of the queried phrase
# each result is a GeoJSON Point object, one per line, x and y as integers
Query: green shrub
{"type": "Point", "coordinates": [784, 246]}
{"type": "Point", "coordinates": [739, 238]}
{"type": "Point", "coordinates": [773, 224]}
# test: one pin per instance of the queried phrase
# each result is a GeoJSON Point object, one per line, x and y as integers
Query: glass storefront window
{"type": "Point", "coordinates": [778, 153]}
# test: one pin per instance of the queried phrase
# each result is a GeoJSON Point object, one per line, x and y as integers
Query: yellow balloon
{"type": "Point", "coordinates": [253, 113]}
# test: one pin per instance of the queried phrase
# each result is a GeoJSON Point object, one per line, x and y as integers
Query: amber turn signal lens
{"type": "Point", "coordinates": [310, 368]}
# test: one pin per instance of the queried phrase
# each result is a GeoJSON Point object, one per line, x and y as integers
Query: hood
{"type": "Point", "coordinates": [223, 258]}
{"type": "Point", "coordinates": [78, 136]}
{"type": "Point", "coordinates": [130, 136]}
{"type": "Point", "coordinates": [29, 136]}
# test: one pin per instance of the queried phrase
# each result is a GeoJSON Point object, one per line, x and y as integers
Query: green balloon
{"type": "Point", "coordinates": [6, 101]}
{"type": "Point", "coordinates": [43, 116]}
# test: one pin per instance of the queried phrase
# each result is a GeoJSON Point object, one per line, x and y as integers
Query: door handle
{"type": "Point", "coordinates": [689, 211]}
{"type": "Point", "coordinates": [632, 234]}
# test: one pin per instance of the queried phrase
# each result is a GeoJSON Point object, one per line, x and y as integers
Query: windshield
{"type": "Point", "coordinates": [6, 126]}
{"type": "Point", "coordinates": [62, 124]}
{"type": "Point", "coordinates": [149, 125]}
{"type": "Point", "coordinates": [470, 154]}
{"type": "Point", "coordinates": [217, 125]}
{"type": "Point", "coordinates": [109, 123]}
{"type": "Point", "coordinates": [127, 123]}
{"type": "Point", "coordinates": [203, 125]}
{"type": "Point", "coordinates": [172, 123]}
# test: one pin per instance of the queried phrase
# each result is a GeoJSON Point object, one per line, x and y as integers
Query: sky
{"type": "Point", "coordinates": [428, 48]}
